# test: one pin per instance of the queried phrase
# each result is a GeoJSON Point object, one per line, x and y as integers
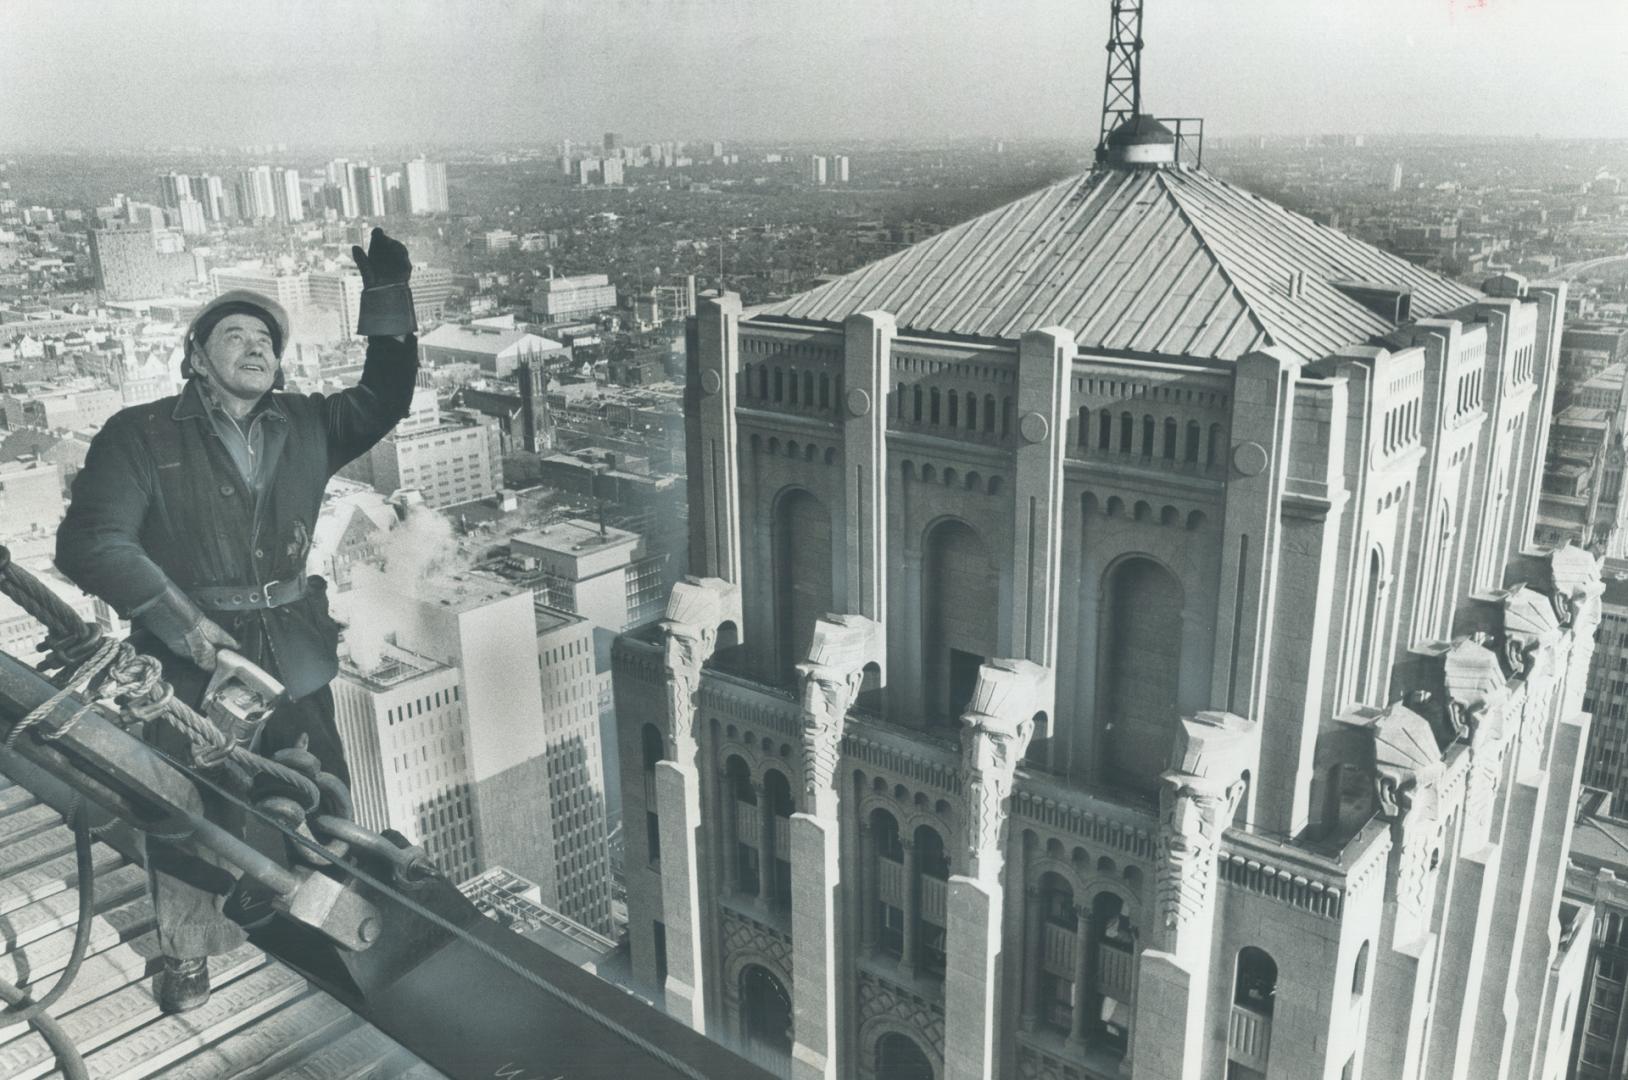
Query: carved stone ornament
{"type": "Point", "coordinates": [1408, 774]}
{"type": "Point", "coordinates": [685, 648]}
{"type": "Point", "coordinates": [1529, 624]}
{"type": "Point", "coordinates": [827, 695]}
{"type": "Point", "coordinates": [1197, 803]}
{"type": "Point", "coordinates": [1576, 576]}
{"type": "Point", "coordinates": [995, 734]}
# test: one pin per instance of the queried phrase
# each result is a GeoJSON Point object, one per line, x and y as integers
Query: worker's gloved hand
{"type": "Point", "coordinates": [184, 629]}
{"type": "Point", "coordinates": [387, 301]}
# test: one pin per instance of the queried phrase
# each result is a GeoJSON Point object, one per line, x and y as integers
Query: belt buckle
{"type": "Point", "coordinates": [265, 591]}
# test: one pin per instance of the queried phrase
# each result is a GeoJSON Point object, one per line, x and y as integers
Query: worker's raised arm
{"type": "Point", "coordinates": [362, 415]}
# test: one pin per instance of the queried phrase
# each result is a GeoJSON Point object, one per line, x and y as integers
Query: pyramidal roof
{"type": "Point", "coordinates": [1168, 261]}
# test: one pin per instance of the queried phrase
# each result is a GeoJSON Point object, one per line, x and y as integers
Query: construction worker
{"type": "Point", "coordinates": [193, 517]}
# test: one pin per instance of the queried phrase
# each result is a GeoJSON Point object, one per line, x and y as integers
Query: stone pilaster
{"type": "Point", "coordinates": [830, 679]}
{"type": "Point", "coordinates": [867, 362]}
{"type": "Point", "coordinates": [995, 733]}
{"type": "Point", "coordinates": [1045, 369]}
{"type": "Point", "coordinates": [1197, 803]}
{"type": "Point", "coordinates": [695, 610]}
{"type": "Point", "coordinates": [712, 458]}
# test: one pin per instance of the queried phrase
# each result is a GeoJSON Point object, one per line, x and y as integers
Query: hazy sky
{"type": "Point", "coordinates": [132, 72]}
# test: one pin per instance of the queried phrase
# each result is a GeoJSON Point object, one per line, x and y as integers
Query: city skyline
{"type": "Point", "coordinates": [363, 70]}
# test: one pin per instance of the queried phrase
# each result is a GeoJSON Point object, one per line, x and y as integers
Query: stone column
{"type": "Point", "coordinates": [729, 832]}
{"type": "Point", "coordinates": [830, 681]}
{"type": "Point", "coordinates": [1197, 803]}
{"type": "Point", "coordinates": [765, 847]}
{"type": "Point", "coordinates": [995, 734]}
{"type": "Point", "coordinates": [1033, 943]}
{"type": "Point", "coordinates": [695, 610]}
{"type": "Point", "coordinates": [1078, 1025]}
{"type": "Point", "coordinates": [912, 875]}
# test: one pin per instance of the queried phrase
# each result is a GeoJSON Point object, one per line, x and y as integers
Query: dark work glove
{"type": "Point", "coordinates": [387, 301]}
{"type": "Point", "coordinates": [185, 631]}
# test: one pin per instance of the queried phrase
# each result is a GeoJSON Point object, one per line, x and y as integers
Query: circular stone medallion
{"type": "Point", "coordinates": [1249, 458]}
{"type": "Point", "coordinates": [1033, 427]}
{"type": "Point", "coordinates": [859, 402]}
{"type": "Point", "coordinates": [710, 382]}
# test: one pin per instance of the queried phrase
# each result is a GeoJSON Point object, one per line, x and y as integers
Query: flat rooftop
{"type": "Point", "coordinates": [575, 536]}
{"type": "Point", "coordinates": [396, 666]}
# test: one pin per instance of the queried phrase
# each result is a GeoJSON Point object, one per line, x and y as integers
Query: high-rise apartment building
{"type": "Point", "coordinates": [129, 266]}
{"type": "Point", "coordinates": [337, 290]}
{"type": "Point", "coordinates": [817, 168]}
{"type": "Point", "coordinates": [287, 200]}
{"type": "Point", "coordinates": [1098, 668]}
{"type": "Point", "coordinates": [839, 167]}
{"type": "Point", "coordinates": [424, 186]}
{"type": "Point", "coordinates": [401, 717]}
{"type": "Point", "coordinates": [1606, 699]}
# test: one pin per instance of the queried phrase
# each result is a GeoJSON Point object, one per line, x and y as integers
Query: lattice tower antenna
{"type": "Point", "coordinates": [1122, 93]}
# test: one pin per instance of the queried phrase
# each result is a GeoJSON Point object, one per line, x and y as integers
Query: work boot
{"type": "Point", "coordinates": [181, 984]}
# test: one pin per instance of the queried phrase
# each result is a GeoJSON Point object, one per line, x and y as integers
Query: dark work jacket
{"type": "Point", "coordinates": [159, 498]}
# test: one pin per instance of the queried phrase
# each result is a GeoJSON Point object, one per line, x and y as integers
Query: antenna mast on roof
{"type": "Point", "coordinates": [1122, 94]}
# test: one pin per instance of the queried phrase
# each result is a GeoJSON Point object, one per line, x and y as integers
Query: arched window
{"type": "Point", "coordinates": [808, 388]}
{"type": "Point", "coordinates": [915, 398]}
{"type": "Point", "coordinates": [1359, 972]}
{"type": "Point", "coordinates": [932, 896]}
{"type": "Point", "coordinates": [1255, 986]}
{"type": "Point", "coordinates": [779, 385]}
{"type": "Point", "coordinates": [899, 1058]}
{"type": "Point", "coordinates": [793, 387]}
{"type": "Point", "coordinates": [777, 791]}
{"type": "Point", "coordinates": [1006, 417]}
{"type": "Point", "coordinates": [959, 600]}
{"type": "Point", "coordinates": [802, 550]}
{"type": "Point", "coordinates": [1059, 927]}
{"type": "Point", "coordinates": [1105, 430]}
{"type": "Point", "coordinates": [765, 1014]}
{"type": "Point", "coordinates": [972, 412]}
{"type": "Point", "coordinates": [898, 401]}
{"type": "Point", "coordinates": [1082, 437]}
{"type": "Point", "coordinates": [1112, 945]}
{"type": "Point", "coordinates": [1138, 670]}
{"type": "Point", "coordinates": [825, 390]}
{"type": "Point", "coordinates": [742, 829]}
{"type": "Point", "coordinates": [932, 411]}
{"type": "Point", "coordinates": [1147, 435]}
{"type": "Point", "coordinates": [954, 417]}
{"type": "Point", "coordinates": [1127, 432]}
{"type": "Point", "coordinates": [989, 414]}
{"type": "Point", "coordinates": [890, 896]}
{"type": "Point", "coordinates": [1214, 454]}
{"type": "Point", "coordinates": [1193, 438]}
{"type": "Point", "coordinates": [1170, 435]}
{"type": "Point", "coordinates": [763, 382]}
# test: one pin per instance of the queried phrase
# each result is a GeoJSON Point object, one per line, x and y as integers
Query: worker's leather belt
{"type": "Point", "coordinates": [273, 594]}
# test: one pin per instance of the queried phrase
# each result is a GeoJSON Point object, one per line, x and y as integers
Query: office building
{"type": "Point", "coordinates": [291, 290]}
{"type": "Point", "coordinates": [602, 574]}
{"type": "Point", "coordinates": [1583, 477]}
{"type": "Point", "coordinates": [432, 289]}
{"type": "Point", "coordinates": [401, 717]}
{"type": "Point", "coordinates": [287, 200]}
{"type": "Point", "coordinates": [448, 457]}
{"type": "Point", "coordinates": [340, 291]}
{"type": "Point", "coordinates": [1144, 667]}
{"type": "Point", "coordinates": [530, 725]}
{"type": "Point", "coordinates": [31, 501]}
{"type": "Point", "coordinates": [564, 299]}
{"type": "Point", "coordinates": [73, 405]}
{"type": "Point", "coordinates": [1593, 935]}
{"type": "Point", "coordinates": [1396, 177]}
{"type": "Point", "coordinates": [612, 171]}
